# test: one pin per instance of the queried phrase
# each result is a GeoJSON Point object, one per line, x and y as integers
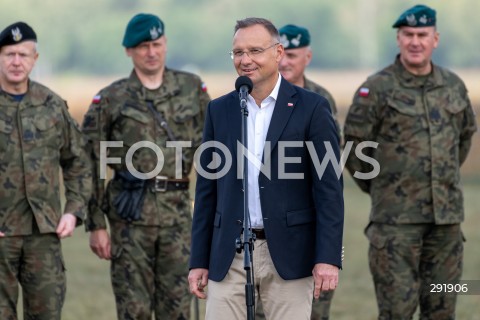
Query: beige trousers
{"type": "Point", "coordinates": [281, 299]}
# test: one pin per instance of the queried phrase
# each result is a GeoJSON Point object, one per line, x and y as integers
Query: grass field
{"type": "Point", "coordinates": [89, 294]}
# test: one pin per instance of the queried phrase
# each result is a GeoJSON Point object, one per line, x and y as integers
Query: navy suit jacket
{"type": "Point", "coordinates": [303, 218]}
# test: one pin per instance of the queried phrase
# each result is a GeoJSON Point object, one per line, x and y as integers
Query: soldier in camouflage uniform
{"type": "Point", "coordinates": [298, 54]}
{"type": "Point", "coordinates": [150, 217]}
{"type": "Point", "coordinates": [422, 119]}
{"type": "Point", "coordinates": [37, 138]}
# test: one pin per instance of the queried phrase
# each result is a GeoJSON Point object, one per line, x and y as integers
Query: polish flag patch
{"type": "Point", "coordinates": [364, 92]}
{"type": "Point", "coordinates": [204, 87]}
{"type": "Point", "coordinates": [97, 99]}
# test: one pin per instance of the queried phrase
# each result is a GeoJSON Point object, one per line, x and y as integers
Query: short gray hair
{"type": "Point", "coordinates": [252, 21]}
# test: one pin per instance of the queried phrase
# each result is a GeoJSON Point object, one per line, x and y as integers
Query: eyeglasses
{"type": "Point", "coordinates": [237, 54]}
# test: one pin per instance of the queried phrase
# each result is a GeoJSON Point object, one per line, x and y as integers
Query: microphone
{"type": "Point", "coordinates": [244, 86]}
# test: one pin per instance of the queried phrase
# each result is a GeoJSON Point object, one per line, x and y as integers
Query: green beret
{"type": "Point", "coordinates": [16, 33]}
{"type": "Point", "coordinates": [292, 36]}
{"type": "Point", "coordinates": [142, 27]}
{"type": "Point", "coordinates": [417, 16]}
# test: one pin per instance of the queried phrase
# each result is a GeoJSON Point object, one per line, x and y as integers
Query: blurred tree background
{"type": "Point", "coordinates": [84, 37]}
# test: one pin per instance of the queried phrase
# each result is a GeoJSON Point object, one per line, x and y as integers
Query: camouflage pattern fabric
{"type": "Point", "coordinates": [37, 137]}
{"type": "Point", "coordinates": [321, 307]}
{"type": "Point", "coordinates": [148, 270]}
{"type": "Point", "coordinates": [162, 235]}
{"type": "Point", "coordinates": [423, 126]}
{"type": "Point", "coordinates": [406, 259]}
{"type": "Point", "coordinates": [121, 114]}
{"type": "Point", "coordinates": [36, 262]}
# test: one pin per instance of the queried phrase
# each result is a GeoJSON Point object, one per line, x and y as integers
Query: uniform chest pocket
{"type": "Point", "coordinates": [455, 115]}
{"type": "Point", "coordinates": [401, 120]}
{"type": "Point", "coordinates": [447, 113]}
{"type": "Point", "coordinates": [183, 114]}
{"type": "Point", "coordinates": [132, 114]}
{"type": "Point", "coordinates": [184, 121]}
{"type": "Point", "coordinates": [133, 126]}
{"type": "Point", "coordinates": [456, 107]}
{"type": "Point", "coordinates": [40, 129]}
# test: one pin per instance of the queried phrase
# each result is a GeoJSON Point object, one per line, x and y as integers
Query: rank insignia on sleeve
{"type": "Point", "coordinates": [204, 87]}
{"type": "Point", "coordinates": [364, 92]}
{"type": "Point", "coordinates": [90, 123]}
{"type": "Point", "coordinates": [97, 99]}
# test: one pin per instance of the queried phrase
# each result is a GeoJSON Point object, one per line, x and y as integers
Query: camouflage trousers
{"type": "Point", "coordinates": [406, 259]}
{"type": "Point", "coordinates": [36, 262]}
{"type": "Point", "coordinates": [149, 271]}
{"type": "Point", "coordinates": [320, 307]}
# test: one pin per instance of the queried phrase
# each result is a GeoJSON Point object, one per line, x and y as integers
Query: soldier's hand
{"type": "Point", "coordinates": [325, 277]}
{"type": "Point", "coordinates": [197, 281]}
{"type": "Point", "coordinates": [66, 225]}
{"type": "Point", "coordinates": [2, 234]}
{"type": "Point", "coordinates": [100, 243]}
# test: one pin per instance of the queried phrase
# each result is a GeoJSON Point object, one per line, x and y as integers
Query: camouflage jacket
{"type": "Point", "coordinates": [120, 112]}
{"type": "Point", "coordinates": [37, 138]}
{"type": "Point", "coordinates": [423, 126]}
{"type": "Point", "coordinates": [312, 86]}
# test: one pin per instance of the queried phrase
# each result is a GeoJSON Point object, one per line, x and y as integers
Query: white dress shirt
{"type": "Point", "coordinates": [258, 122]}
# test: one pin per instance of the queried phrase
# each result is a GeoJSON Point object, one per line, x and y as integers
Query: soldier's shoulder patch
{"type": "Point", "coordinates": [97, 99]}
{"type": "Point", "coordinates": [204, 87]}
{"type": "Point", "coordinates": [90, 122]}
{"type": "Point", "coordinates": [364, 92]}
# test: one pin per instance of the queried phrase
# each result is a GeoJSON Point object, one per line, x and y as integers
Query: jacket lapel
{"type": "Point", "coordinates": [286, 102]}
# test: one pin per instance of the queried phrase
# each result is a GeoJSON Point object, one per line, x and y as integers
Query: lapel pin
{"type": "Point", "coordinates": [290, 104]}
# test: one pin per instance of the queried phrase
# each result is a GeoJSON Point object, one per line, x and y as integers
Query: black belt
{"type": "Point", "coordinates": [164, 184]}
{"type": "Point", "coordinates": [259, 234]}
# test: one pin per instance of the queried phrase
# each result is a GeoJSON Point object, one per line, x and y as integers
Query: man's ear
{"type": "Point", "coordinates": [280, 52]}
{"type": "Point", "coordinates": [308, 56]}
{"type": "Point", "coordinates": [436, 39]}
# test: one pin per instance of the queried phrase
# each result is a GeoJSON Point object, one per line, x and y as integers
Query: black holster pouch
{"type": "Point", "coordinates": [129, 202]}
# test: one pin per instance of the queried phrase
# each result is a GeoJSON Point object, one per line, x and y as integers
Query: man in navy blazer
{"type": "Point", "coordinates": [295, 202]}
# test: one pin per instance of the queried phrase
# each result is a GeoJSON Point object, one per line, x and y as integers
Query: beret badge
{"type": "Point", "coordinates": [16, 34]}
{"type": "Point", "coordinates": [411, 20]}
{"type": "Point", "coordinates": [155, 32]}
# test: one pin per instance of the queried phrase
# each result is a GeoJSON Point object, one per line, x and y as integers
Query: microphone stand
{"type": "Point", "coordinates": [246, 244]}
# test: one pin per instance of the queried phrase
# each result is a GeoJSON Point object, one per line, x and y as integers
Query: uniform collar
{"type": "Point", "coordinates": [35, 95]}
{"type": "Point", "coordinates": [170, 87]}
{"type": "Point", "coordinates": [434, 79]}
